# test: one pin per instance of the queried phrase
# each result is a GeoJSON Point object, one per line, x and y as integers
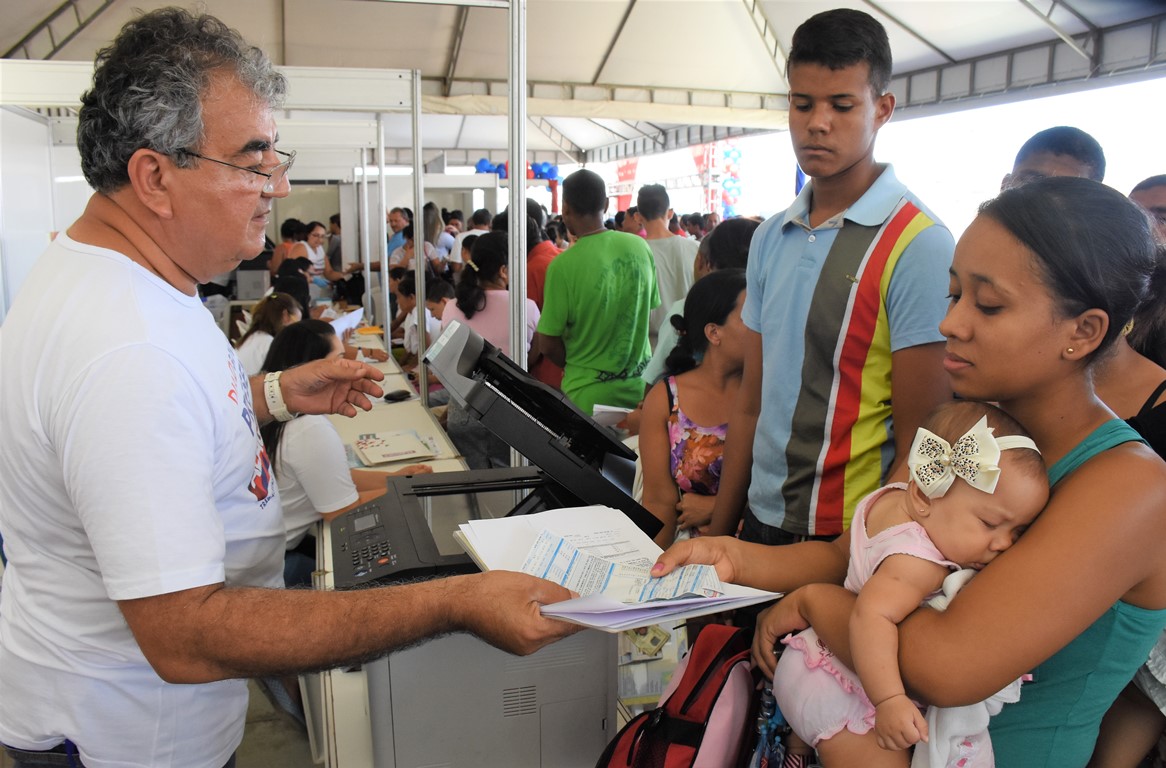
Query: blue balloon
{"type": "Point", "coordinates": [501, 169]}
{"type": "Point", "coordinates": [553, 172]}
{"type": "Point", "coordinates": [483, 166]}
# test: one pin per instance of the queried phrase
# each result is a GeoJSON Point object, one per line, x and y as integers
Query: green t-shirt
{"type": "Point", "coordinates": [599, 295]}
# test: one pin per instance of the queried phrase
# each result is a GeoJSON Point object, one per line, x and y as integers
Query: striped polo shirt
{"type": "Point", "coordinates": [831, 304]}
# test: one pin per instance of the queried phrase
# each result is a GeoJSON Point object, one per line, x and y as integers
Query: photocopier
{"type": "Point", "coordinates": [456, 701]}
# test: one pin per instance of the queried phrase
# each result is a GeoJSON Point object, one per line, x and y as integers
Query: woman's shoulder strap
{"type": "Point", "coordinates": [1149, 404]}
{"type": "Point", "coordinates": [670, 388]}
{"type": "Point", "coordinates": [1109, 435]}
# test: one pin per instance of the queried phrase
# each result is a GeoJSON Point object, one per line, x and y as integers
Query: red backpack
{"type": "Point", "coordinates": [705, 714]}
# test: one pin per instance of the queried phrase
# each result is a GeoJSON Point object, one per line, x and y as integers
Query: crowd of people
{"type": "Point", "coordinates": [840, 403]}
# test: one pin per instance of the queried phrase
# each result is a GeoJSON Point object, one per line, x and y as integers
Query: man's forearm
{"type": "Point", "coordinates": [227, 633]}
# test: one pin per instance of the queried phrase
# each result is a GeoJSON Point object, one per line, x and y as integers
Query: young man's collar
{"type": "Point", "coordinates": [870, 210]}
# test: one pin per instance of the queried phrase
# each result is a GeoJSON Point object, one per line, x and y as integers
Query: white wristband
{"type": "Point", "coordinates": [274, 397]}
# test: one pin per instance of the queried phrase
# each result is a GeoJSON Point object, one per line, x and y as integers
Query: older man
{"type": "Point", "coordinates": [140, 514]}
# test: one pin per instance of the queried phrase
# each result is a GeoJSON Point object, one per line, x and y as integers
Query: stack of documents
{"type": "Point", "coordinates": [600, 554]}
{"type": "Point", "coordinates": [382, 447]}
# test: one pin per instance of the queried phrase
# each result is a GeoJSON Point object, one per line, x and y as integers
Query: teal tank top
{"type": "Point", "coordinates": [1056, 720]}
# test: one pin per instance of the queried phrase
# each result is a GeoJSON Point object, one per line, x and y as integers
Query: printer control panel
{"type": "Point", "coordinates": [369, 543]}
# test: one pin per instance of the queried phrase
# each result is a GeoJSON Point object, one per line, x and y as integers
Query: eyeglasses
{"type": "Point", "coordinates": [274, 177]}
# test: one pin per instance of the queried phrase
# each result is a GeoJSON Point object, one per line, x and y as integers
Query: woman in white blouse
{"type": "Point", "coordinates": [308, 456]}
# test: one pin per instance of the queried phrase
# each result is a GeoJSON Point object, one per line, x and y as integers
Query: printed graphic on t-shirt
{"type": "Point", "coordinates": [260, 486]}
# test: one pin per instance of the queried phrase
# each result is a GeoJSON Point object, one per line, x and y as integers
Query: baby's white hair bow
{"type": "Point", "coordinates": [936, 463]}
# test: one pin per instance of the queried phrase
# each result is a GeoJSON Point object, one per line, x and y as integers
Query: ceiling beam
{"type": "Point", "coordinates": [475, 3]}
{"type": "Point", "coordinates": [455, 47]}
{"type": "Point", "coordinates": [58, 18]}
{"type": "Point", "coordinates": [1057, 30]}
{"type": "Point", "coordinates": [654, 133]}
{"type": "Point", "coordinates": [674, 138]}
{"type": "Point", "coordinates": [570, 148]}
{"type": "Point", "coordinates": [910, 31]}
{"type": "Point", "coordinates": [614, 39]}
{"type": "Point", "coordinates": [1024, 72]}
{"type": "Point", "coordinates": [768, 37]}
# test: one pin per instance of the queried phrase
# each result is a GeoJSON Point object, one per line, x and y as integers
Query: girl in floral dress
{"type": "Point", "coordinates": [682, 434]}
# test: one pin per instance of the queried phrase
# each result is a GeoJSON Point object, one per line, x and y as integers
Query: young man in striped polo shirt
{"type": "Point", "coordinates": [846, 291]}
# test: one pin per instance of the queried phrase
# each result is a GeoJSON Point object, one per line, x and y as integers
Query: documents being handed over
{"type": "Point", "coordinates": [600, 554]}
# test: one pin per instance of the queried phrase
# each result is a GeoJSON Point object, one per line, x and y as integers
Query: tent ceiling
{"type": "Point", "coordinates": [615, 77]}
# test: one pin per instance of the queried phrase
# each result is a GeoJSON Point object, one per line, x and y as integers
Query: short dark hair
{"type": "Point", "coordinates": [652, 201]}
{"type": "Point", "coordinates": [842, 38]}
{"type": "Point", "coordinates": [334, 219]}
{"type": "Point", "coordinates": [1066, 140]}
{"type": "Point", "coordinates": [534, 234]}
{"type": "Point", "coordinates": [728, 243]}
{"type": "Point", "coordinates": [535, 210]}
{"type": "Point", "coordinates": [292, 228]}
{"type": "Point", "coordinates": [456, 214]}
{"type": "Point", "coordinates": [437, 288]}
{"type": "Point", "coordinates": [586, 192]}
{"type": "Point", "coordinates": [481, 217]}
{"type": "Point", "coordinates": [1151, 183]}
{"type": "Point", "coordinates": [1093, 247]}
{"type": "Point", "coordinates": [148, 87]}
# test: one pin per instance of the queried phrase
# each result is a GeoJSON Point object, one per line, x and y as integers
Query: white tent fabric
{"type": "Point", "coordinates": [603, 72]}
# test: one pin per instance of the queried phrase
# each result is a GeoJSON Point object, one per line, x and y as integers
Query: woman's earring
{"type": "Point", "coordinates": [1069, 350]}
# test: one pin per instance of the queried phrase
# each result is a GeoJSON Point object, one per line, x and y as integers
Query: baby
{"type": "Point", "coordinates": [976, 482]}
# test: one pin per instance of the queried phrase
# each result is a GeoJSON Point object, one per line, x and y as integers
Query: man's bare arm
{"type": "Point", "coordinates": [216, 632]}
{"type": "Point", "coordinates": [918, 385]}
{"type": "Point", "coordinates": [552, 348]}
{"type": "Point", "coordinates": [737, 465]}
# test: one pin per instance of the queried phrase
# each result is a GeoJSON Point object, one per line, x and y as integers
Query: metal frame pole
{"type": "Point", "coordinates": [382, 226]}
{"type": "Point", "coordinates": [419, 259]}
{"type": "Point", "coordinates": [516, 141]}
{"type": "Point", "coordinates": [365, 243]}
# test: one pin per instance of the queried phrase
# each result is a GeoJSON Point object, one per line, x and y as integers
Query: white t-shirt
{"type": "Point", "coordinates": [131, 466]}
{"type": "Point", "coordinates": [312, 472]}
{"type": "Point", "coordinates": [253, 351]}
{"type": "Point", "coordinates": [455, 253]}
{"type": "Point", "coordinates": [317, 257]}
{"type": "Point", "coordinates": [675, 257]}
{"type": "Point", "coordinates": [398, 258]}
{"type": "Point", "coordinates": [432, 330]}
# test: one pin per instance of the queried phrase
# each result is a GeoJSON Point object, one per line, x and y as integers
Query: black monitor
{"type": "Point", "coordinates": [587, 459]}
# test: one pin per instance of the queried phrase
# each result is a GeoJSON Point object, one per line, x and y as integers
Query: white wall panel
{"type": "Point", "coordinates": [26, 198]}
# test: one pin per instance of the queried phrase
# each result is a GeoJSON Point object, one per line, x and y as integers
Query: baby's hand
{"type": "Point", "coordinates": [899, 723]}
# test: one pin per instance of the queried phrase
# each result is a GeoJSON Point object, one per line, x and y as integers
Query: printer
{"type": "Point", "coordinates": [456, 701]}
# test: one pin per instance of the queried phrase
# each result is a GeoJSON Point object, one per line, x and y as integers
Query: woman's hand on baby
{"type": "Point", "coordinates": [774, 623]}
{"type": "Point", "coordinates": [899, 723]}
{"type": "Point", "coordinates": [694, 510]}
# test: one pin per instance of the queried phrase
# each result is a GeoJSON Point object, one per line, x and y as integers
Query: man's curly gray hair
{"type": "Point", "coordinates": [148, 85]}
